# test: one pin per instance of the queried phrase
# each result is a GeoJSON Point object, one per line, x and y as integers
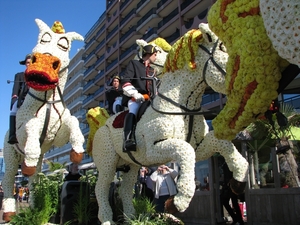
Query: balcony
{"type": "Point", "coordinates": [99, 64]}
{"type": "Point", "coordinates": [100, 49]}
{"type": "Point", "coordinates": [112, 36]}
{"type": "Point", "coordinates": [150, 35]}
{"type": "Point", "coordinates": [112, 52]}
{"type": "Point", "coordinates": [111, 65]}
{"type": "Point", "coordinates": [98, 94]}
{"type": "Point", "coordinates": [190, 9]}
{"type": "Point", "coordinates": [90, 87]}
{"type": "Point", "coordinates": [164, 7]}
{"type": "Point", "coordinates": [111, 5]}
{"type": "Point", "coordinates": [99, 77]}
{"type": "Point", "coordinates": [173, 37]}
{"type": "Point", "coordinates": [101, 33]}
{"type": "Point", "coordinates": [131, 17]}
{"type": "Point", "coordinates": [129, 37]}
{"type": "Point", "coordinates": [76, 103]}
{"type": "Point", "coordinates": [90, 33]}
{"type": "Point", "coordinates": [90, 73]}
{"type": "Point", "coordinates": [89, 102]}
{"type": "Point", "coordinates": [150, 19]}
{"type": "Point", "coordinates": [71, 92]}
{"type": "Point", "coordinates": [169, 24]}
{"type": "Point", "coordinates": [90, 46]}
{"type": "Point", "coordinates": [90, 59]}
{"type": "Point", "coordinates": [128, 54]}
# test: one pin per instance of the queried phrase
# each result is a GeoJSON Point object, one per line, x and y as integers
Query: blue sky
{"type": "Point", "coordinates": [19, 34]}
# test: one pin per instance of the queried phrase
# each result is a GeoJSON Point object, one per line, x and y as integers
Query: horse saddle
{"type": "Point", "coordinates": [119, 120]}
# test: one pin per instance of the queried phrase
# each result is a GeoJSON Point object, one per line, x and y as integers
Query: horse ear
{"type": "Point", "coordinates": [207, 34]}
{"type": "Point", "coordinates": [141, 42]}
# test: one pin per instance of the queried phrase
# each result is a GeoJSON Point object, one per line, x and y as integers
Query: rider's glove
{"type": "Point", "coordinates": [130, 91]}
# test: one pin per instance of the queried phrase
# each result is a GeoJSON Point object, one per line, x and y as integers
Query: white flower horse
{"type": "Point", "coordinates": [43, 120]}
{"type": "Point", "coordinates": [173, 128]}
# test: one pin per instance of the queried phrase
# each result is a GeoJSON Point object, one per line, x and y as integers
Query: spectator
{"type": "Point", "coordinates": [164, 186]}
{"type": "Point", "coordinates": [114, 96]}
{"type": "Point", "coordinates": [227, 195]}
{"type": "Point", "coordinates": [73, 172]}
{"type": "Point", "coordinates": [134, 89]}
{"type": "Point", "coordinates": [146, 183]}
{"type": "Point", "coordinates": [19, 92]}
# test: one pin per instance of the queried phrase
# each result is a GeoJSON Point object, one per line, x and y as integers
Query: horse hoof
{"type": "Point", "coordinates": [7, 216]}
{"type": "Point", "coordinates": [237, 187]}
{"type": "Point", "coordinates": [27, 170]}
{"type": "Point", "coordinates": [75, 157]}
{"type": "Point", "coordinates": [170, 207]}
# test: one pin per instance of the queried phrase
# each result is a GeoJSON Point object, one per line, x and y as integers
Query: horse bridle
{"type": "Point", "coordinates": [48, 106]}
{"type": "Point", "coordinates": [192, 112]}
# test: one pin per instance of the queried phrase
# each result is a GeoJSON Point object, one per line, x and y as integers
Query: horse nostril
{"type": "Point", "coordinates": [33, 59]}
{"type": "Point", "coordinates": [55, 65]}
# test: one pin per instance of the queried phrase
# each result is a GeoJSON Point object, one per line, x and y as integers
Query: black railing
{"type": "Point", "coordinates": [130, 49]}
{"type": "Point", "coordinates": [112, 32]}
{"type": "Point", "coordinates": [127, 34]}
{"type": "Point", "coordinates": [146, 16]}
{"type": "Point", "coordinates": [124, 4]}
{"type": "Point", "coordinates": [161, 3]}
{"type": "Point", "coordinates": [168, 18]}
{"type": "Point", "coordinates": [112, 64]}
{"type": "Point", "coordinates": [140, 3]}
{"type": "Point", "coordinates": [186, 4]}
{"type": "Point", "coordinates": [132, 12]}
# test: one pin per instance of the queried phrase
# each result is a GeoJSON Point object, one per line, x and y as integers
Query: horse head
{"type": "Point", "coordinates": [197, 60]}
{"type": "Point", "coordinates": [50, 56]}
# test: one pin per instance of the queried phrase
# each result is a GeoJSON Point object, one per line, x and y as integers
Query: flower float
{"type": "Point", "coordinates": [43, 120]}
{"type": "Point", "coordinates": [282, 22]}
{"type": "Point", "coordinates": [168, 130]}
{"type": "Point", "coordinates": [253, 69]}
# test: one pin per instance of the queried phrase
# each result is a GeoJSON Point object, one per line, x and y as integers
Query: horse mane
{"type": "Point", "coordinates": [184, 51]}
{"type": "Point", "coordinates": [162, 43]}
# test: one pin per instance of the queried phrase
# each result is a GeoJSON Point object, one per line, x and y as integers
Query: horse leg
{"type": "Point", "coordinates": [126, 194]}
{"type": "Point", "coordinates": [182, 152]}
{"type": "Point", "coordinates": [237, 164]}
{"type": "Point", "coordinates": [11, 159]}
{"type": "Point", "coordinates": [32, 148]}
{"type": "Point", "coordinates": [105, 159]}
{"type": "Point", "coordinates": [76, 139]}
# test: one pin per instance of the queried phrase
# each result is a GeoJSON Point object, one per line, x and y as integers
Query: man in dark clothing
{"type": "Point", "coordinates": [134, 88]}
{"type": "Point", "coordinates": [19, 92]}
{"type": "Point", "coordinates": [73, 172]}
{"type": "Point", "coordinates": [227, 194]}
{"type": "Point", "coordinates": [114, 96]}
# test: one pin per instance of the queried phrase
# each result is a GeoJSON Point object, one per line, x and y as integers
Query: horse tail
{"type": "Point", "coordinates": [96, 118]}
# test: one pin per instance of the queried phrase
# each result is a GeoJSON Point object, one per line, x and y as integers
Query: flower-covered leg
{"type": "Point", "coordinates": [105, 159]}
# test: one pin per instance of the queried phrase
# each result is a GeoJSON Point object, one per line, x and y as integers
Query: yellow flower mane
{"type": "Point", "coordinates": [184, 51]}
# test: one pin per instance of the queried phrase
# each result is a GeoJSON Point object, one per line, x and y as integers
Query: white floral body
{"type": "Point", "coordinates": [62, 127]}
{"type": "Point", "coordinates": [282, 22]}
{"type": "Point", "coordinates": [161, 138]}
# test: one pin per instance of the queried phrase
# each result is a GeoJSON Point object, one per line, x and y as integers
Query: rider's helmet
{"type": "Point", "coordinates": [149, 49]}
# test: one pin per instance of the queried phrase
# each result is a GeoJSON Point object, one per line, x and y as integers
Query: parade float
{"type": "Point", "coordinates": [173, 127]}
{"type": "Point", "coordinates": [43, 120]}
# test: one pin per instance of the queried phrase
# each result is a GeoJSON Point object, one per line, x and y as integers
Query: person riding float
{"type": "Point", "coordinates": [134, 88]}
{"type": "Point", "coordinates": [19, 91]}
